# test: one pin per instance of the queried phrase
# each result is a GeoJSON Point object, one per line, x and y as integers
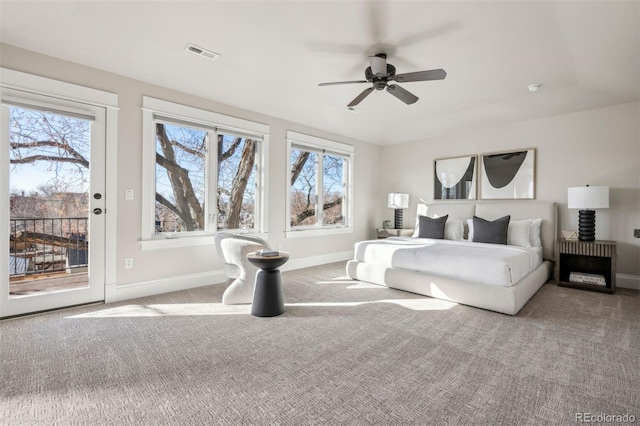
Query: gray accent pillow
{"type": "Point", "coordinates": [494, 232]}
{"type": "Point", "coordinates": [431, 228]}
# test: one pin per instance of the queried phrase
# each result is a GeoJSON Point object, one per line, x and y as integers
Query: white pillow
{"type": "Point", "coordinates": [453, 229]}
{"type": "Point", "coordinates": [518, 233]}
{"type": "Point", "coordinates": [470, 226]}
{"type": "Point", "coordinates": [534, 236]}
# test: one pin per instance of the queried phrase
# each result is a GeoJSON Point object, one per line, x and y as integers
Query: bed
{"type": "Point", "coordinates": [496, 277]}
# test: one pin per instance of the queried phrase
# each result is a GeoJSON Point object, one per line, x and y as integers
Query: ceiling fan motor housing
{"type": "Point", "coordinates": [380, 82]}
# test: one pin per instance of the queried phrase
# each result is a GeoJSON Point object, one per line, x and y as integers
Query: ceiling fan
{"type": "Point", "coordinates": [380, 73]}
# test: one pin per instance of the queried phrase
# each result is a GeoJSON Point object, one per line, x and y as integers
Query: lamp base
{"type": "Point", "coordinates": [397, 216]}
{"type": "Point", "coordinates": [587, 225]}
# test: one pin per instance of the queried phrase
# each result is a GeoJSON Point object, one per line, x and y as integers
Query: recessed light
{"type": "Point", "coordinates": [534, 87]}
{"type": "Point", "coordinates": [201, 52]}
{"type": "Point", "coordinates": [353, 109]}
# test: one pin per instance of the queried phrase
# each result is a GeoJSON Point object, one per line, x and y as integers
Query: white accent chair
{"type": "Point", "coordinates": [233, 249]}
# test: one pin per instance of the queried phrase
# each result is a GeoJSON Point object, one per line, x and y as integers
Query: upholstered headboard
{"type": "Point", "coordinates": [518, 210]}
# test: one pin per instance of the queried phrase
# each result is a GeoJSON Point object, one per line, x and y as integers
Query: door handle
{"type": "Point", "coordinates": [97, 210]}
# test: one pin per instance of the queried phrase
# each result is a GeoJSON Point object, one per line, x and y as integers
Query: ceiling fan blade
{"type": "Point", "coordinates": [335, 83]}
{"type": "Point", "coordinates": [439, 74]}
{"type": "Point", "coordinates": [360, 97]}
{"type": "Point", "coordinates": [378, 65]}
{"type": "Point", "coordinates": [400, 93]}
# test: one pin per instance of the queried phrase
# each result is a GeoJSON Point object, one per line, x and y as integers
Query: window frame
{"type": "Point", "coordinates": [156, 110]}
{"type": "Point", "coordinates": [320, 146]}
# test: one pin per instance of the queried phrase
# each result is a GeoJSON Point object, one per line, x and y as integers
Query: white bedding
{"type": "Point", "coordinates": [494, 264]}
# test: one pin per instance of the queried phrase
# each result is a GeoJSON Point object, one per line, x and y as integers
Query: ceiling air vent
{"type": "Point", "coordinates": [201, 52]}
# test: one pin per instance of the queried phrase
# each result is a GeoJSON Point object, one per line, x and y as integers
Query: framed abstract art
{"type": "Point", "coordinates": [508, 175]}
{"type": "Point", "coordinates": [455, 178]}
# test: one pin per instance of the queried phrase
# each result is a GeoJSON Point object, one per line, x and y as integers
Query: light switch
{"type": "Point", "coordinates": [128, 194]}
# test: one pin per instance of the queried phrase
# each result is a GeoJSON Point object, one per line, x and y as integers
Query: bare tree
{"type": "Point", "coordinates": [298, 165]}
{"type": "Point", "coordinates": [38, 137]}
{"type": "Point", "coordinates": [333, 190]}
{"type": "Point", "coordinates": [60, 141]}
{"type": "Point", "coordinates": [239, 184]}
{"type": "Point", "coordinates": [303, 188]}
{"type": "Point", "coordinates": [185, 202]}
{"type": "Point", "coordinates": [62, 145]}
{"type": "Point", "coordinates": [52, 216]}
{"type": "Point", "coordinates": [182, 158]}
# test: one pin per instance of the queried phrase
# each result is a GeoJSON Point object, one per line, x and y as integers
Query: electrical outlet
{"type": "Point", "coordinates": [128, 263]}
{"type": "Point", "coordinates": [636, 233]}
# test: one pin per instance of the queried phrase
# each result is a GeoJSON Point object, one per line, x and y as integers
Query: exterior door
{"type": "Point", "coordinates": [52, 153]}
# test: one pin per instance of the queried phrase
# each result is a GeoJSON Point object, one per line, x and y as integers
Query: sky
{"type": "Point", "coordinates": [28, 177]}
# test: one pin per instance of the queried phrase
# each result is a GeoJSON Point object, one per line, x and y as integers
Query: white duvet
{"type": "Point", "coordinates": [494, 264]}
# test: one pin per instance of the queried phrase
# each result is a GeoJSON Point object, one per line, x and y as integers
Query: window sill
{"type": "Point", "coordinates": [318, 232]}
{"type": "Point", "coordinates": [163, 242]}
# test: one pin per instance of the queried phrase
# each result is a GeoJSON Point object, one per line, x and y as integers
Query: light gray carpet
{"type": "Point", "coordinates": [342, 354]}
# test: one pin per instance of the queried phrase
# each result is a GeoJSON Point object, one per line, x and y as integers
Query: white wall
{"type": "Point", "coordinates": [596, 147]}
{"type": "Point", "coordinates": [162, 264]}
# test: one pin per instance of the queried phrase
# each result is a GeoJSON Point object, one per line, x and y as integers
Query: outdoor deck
{"type": "Point", "coordinates": [47, 283]}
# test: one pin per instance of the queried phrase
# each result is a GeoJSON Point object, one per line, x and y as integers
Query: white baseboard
{"type": "Point", "coordinates": [115, 293]}
{"type": "Point", "coordinates": [167, 285]}
{"type": "Point", "coordinates": [323, 259]}
{"type": "Point", "coordinates": [628, 281]}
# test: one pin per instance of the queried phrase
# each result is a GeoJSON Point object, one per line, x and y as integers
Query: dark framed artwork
{"type": "Point", "coordinates": [508, 175]}
{"type": "Point", "coordinates": [455, 178]}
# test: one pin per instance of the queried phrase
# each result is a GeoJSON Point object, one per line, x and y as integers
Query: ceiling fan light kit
{"type": "Point", "coordinates": [380, 73]}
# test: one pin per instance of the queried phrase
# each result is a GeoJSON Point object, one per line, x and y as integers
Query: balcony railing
{"type": "Point", "coordinates": [44, 245]}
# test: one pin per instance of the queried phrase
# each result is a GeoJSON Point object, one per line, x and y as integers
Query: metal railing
{"type": "Point", "coordinates": [43, 245]}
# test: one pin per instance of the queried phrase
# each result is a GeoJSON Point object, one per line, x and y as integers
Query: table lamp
{"type": "Point", "coordinates": [587, 198]}
{"type": "Point", "coordinates": [398, 202]}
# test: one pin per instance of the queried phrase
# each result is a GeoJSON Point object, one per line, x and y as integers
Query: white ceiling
{"type": "Point", "coordinates": [274, 54]}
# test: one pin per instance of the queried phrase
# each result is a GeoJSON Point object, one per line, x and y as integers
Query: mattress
{"type": "Point", "coordinates": [493, 264]}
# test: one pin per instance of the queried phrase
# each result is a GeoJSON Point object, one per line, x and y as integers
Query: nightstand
{"type": "Point", "coordinates": [591, 259]}
{"type": "Point", "coordinates": [390, 232]}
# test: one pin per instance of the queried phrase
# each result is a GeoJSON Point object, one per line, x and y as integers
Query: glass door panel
{"type": "Point", "coordinates": [48, 202]}
{"type": "Point", "coordinates": [56, 226]}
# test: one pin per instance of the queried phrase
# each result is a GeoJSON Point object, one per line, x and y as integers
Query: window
{"type": "Point", "coordinates": [319, 185]}
{"type": "Point", "coordinates": [203, 175]}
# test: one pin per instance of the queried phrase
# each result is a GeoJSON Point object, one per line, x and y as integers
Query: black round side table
{"type": "Point", "coordinates": [268, 300]}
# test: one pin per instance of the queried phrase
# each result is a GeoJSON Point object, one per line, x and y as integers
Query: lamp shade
{"type": "Point", "coordinates": [588, 197]}
{"type": "Point", "coordinates": [398, 200]}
